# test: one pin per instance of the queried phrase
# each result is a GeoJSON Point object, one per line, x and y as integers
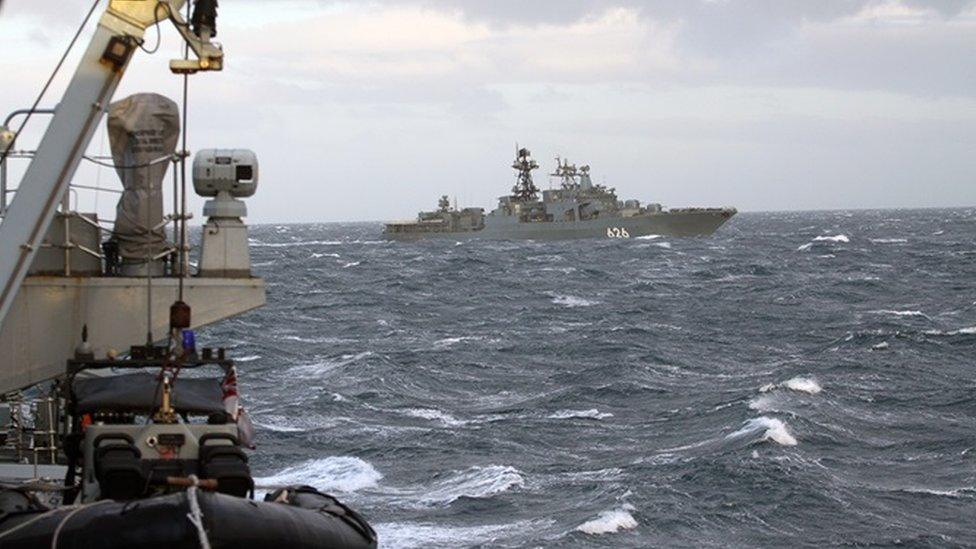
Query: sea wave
{"type": "Point", "coordinates": [340, 473]}
{"type": "Point", "coordinates": [434, 415]}
{"type": "Point", "coordinates": [572, 301]}
{"type": "Point", "coordinates": [807, 385]}
{"type": "Point", "coordinates": [971, 330]}
{"type": "Point", "coordinates": [580, 414]}
{"type": "Point", "coordinates": [477, 482]}
{"type": "Point", "coordinates": [768, 428]}
{"type": "Point", "coordinates": [832, 238]}
{"type": "Point", "coordinates": [258, 244]}
{"type": "Point", "coordinates": [610, 522]}
{"type": "Point", "coordinates": [410, 535]}
{"type": "Point", "coordinates": [899, 313]}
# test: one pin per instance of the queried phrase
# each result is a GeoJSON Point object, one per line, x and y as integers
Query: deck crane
{"type": "Point", "coordinates": [120, 31]}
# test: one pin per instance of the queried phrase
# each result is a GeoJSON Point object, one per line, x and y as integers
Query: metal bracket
{"type": "Point", "coordinates": [143, 14]}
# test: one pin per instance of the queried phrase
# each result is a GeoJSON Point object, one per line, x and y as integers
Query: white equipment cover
{"type": "Point", "coordinates": [142, 129]}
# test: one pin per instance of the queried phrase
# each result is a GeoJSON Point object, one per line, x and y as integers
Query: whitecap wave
{"type": "Point", "coordinates": [572, 301]}
{"type": "Point", "coordinates": [804, 385]}
{"type": "Point", "coordinates": [294, 423]}
{"type": "Point", "coordinates": [258, 244]}
{"type": "Point", "coordinates": [319, 256]}
{"type": "Point", "coordinates": [770, 428]}
{"type": "Point", "coordinates": [839, 238]}
{"type": "Point", "coordinates": [320, 368]}
{"type": "Point", "coordinates": [610, 522]}
{"type": "Point", "coordinates": [899, 313]}
{"type": "Point", "coordinates": [801, 384]}
{"type": "Point", "coordinates": [648, 237]}
{"type": "Point", "coordinates": [833, 238]}
{"type": "Point", "coordinates": [433, 415]}
{"type": "Point", "coordinates": [961, 331]}
{"type": "Point", "coordinates": [451, 341]}
{"type": "Point", "coordinates": [953, 493]}
{"type": "Point", "coordinates": [763, 403]}
{"type": "Point", "coordinates": [340, 473]}
{"type": "Point", "coordinates": [889, 240]}
{"type": "Point", "coordinates": [474, 482]}
{"type": "Point", "coordinates": [248, 358]}
{"type": "Point", "coordinates": [410, 535]}
{"type": "Point", "coordinates": [351, 264]}
{"type": "Point", "coordinates": [580, 414]}
{"type": "Point", "coordinates": [665, 245]}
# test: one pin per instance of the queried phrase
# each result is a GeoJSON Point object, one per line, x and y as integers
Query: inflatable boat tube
{"type": "Point", "coordinates": [297, 517]}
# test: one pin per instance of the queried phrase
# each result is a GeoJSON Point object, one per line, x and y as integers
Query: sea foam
{"type": "Point", "coordinates": [834, 238]}
{"type": "Point", "coordinates": [434, 415]}
{"type": "Point", "coordinates": [409, 535]}
{"type": "Point", "coordinates": [801, 384]}
{"type": "Point", "coordinates": [339, 473]}
{"type": "Point", "coordinates": [475, 482]}
{"type": "Point", "coordinates": [771, 429]}
{"type": "Point", "coordinates": [610, 522]}
{"type": "Point", "coordinates": [580, 414]}
{"type": "Point", "coordinates": [899, 313]}
{"type": "Point", "coordinates": [572, 301]}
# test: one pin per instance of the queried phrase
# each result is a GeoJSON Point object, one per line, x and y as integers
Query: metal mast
{"type": "Point", "coordinates": [524, 189]}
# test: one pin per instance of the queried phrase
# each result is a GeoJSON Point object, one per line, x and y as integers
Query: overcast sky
{"type": "Point", "coordinates": [370, 111]}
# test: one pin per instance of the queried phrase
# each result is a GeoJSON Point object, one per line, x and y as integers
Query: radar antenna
{"type": "Point", "coordinates": [524, 189]}
{"type": "Point", "coordinates": [566, 173]}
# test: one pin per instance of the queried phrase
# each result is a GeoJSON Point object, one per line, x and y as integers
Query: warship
{"type": "Point", "coordinates": [149, 446]}
{"type": "Point", "coordinates": [577, 209]}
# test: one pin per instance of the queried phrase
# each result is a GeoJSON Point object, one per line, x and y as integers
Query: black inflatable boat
{"type": "Point", "coordinates": [293, 518]}
{"type": "Point", "coordinates": [155, 460]}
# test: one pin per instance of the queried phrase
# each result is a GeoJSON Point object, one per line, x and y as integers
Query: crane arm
{"type": "Point", "coordinates": [120, 30]}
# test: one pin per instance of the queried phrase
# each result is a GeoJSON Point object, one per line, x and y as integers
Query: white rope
{"type": "Point", "coordinates": [195, 516]}
{"type": "Point", "coordinates": [25, 524]}
{"type": "Point", "coordinates": [75, 511]}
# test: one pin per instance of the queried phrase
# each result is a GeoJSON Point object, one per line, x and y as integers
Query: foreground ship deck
{"type": "Point", "coordinates": [578, 209]}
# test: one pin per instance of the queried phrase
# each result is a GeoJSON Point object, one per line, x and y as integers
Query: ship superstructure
{"type": "Point", "coordinates": [578, 208]}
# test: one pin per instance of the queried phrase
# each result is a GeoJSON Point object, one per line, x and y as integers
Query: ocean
{"type": "Point", "coordinates": [798, 379]}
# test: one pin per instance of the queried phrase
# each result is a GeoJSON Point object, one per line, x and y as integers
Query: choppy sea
{"type": "Point", "coordinates": [798, 379]}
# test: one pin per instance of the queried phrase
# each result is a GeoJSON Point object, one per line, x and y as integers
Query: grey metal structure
{"type": "Point", "coordinates": [577, 209]}
{"type": "Point", "coordinates": [57, 279]}
{"type": "Point", "coordinates": [75, 121]}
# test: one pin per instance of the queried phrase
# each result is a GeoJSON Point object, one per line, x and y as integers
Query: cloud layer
{"type": "Point", "coordinates": [372, 110]}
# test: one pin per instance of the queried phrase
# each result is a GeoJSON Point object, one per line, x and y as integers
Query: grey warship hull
{"type": "Point", "coordinates": [682, 223]}
{"type": "Point", "coordinates": [577, 209]}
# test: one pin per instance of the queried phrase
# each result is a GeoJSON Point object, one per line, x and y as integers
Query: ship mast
{"type": "Point", "coordinates": [524, 189]}
{"type": "Point", "coordinates": [566, 173]}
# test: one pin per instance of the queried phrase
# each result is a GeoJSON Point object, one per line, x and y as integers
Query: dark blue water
{"type": "Point", "coordinates": [797, 379]}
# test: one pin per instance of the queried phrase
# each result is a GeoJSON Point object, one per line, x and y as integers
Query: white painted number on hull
{"type": "Point", "coordinates": [617, 232]}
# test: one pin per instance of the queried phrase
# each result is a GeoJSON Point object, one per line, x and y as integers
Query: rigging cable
{"type": "Point", "coordinates": [183, 154]}
{"type": "Point", "coordinates": [159, 160]}
{"type": "Point", "coordinates": [57, 68]}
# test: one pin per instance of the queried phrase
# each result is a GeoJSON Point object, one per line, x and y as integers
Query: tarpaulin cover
{"type": "Point", "coordinates": [142, 128]}
{"type": "Point", "coordinates": [143, 393]}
